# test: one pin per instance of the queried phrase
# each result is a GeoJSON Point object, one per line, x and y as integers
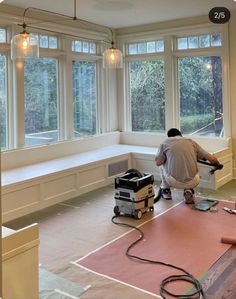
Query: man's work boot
{"type": "Point", "coordinates": [189, 196]}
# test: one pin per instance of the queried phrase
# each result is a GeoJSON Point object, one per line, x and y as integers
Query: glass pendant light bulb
{"type": "Point", "coordinates": [112, 58]}
{"type": "Point", "coordinates": [24, 45]}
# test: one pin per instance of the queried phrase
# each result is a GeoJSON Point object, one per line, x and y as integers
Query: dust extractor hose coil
{"type": "Point", "coordinates": [229, 240]}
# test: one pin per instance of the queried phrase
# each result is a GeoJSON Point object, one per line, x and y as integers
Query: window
{"type": "Point", "coordinates": [3, 102]}
{"type": "Point", "coordinates": [48, 41]}
{"type": "Point", "coordinates": [147, 93]}
{"type": "Point", "coordinates": [199, 41]}
{"type": "Point", "coordinates": [84, 47]}
{"type": "Point", "coordinates": [175, 75]}
{"type": "Point", "coordinates": [41, 107]}
{"type": "Point", "coordinates": [3, 35]}
{"type": "Point", "coordinates": [146, 47]}
{"type": "Point", "coordinates": [84, 98]}
{"type": "Point", "coordinates": [200, 94]}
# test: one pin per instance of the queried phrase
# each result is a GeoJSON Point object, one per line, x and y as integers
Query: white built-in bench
{"type": "Point", "coordinates": [33, 179]}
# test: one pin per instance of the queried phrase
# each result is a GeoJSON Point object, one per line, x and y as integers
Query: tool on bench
{"type": "Point", "coordinates": [215, 166]}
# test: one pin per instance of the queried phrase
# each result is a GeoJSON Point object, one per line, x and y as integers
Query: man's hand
{"type": "Point", "coordinates": [159, 162]}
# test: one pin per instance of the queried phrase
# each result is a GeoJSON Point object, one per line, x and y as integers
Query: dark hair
{"type": "Point", "coordinates": [173, 132]}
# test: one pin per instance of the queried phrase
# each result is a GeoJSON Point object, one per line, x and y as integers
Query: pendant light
{"type": "Point", "coordinates": [112, 57]}
{"type": "Point", "coordinates": [24, 45]}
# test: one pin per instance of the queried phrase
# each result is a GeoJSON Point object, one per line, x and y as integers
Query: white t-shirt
{"type": "Point", "coordinates": [180, 155]}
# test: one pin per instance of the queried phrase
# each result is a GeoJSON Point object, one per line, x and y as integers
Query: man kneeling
{"type": "Point", "coordinates": [177, 160]}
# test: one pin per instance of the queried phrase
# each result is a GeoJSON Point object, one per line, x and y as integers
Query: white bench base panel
{"type": "Point", "coordinates": [31, 188]}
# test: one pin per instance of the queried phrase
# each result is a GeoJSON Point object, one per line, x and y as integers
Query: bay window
{"type": "Point", "coordinates": [176, 82]}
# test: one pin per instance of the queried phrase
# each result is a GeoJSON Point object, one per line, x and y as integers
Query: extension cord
{"type": "Point", "coordinates": [184, 277]}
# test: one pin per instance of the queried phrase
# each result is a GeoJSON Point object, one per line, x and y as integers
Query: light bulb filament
{"type": "Point", "coordinates": [25, 42]}
{"type": "Point", "coordinates": [112, 56]}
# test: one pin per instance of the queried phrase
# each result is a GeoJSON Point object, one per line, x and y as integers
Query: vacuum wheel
{"type": "Point", "coordinates": [151, 209]}
{"type": "Point", "coordinates": [138, 214]}
{"type": "Point", "coordinates": [116, 210]}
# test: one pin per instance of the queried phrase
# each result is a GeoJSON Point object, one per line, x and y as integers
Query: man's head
{"type": "Point", "coordinates": [173, 132]}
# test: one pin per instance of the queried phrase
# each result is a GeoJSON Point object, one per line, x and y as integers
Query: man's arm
{"type": "Point", "coordinates": [211, 158]}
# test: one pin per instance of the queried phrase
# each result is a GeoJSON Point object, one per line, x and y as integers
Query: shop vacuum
{"type": "Point", "coordinates": [134, 194]}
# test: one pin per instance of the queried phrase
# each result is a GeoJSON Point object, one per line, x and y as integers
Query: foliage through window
{"type": "Point", "coordinates": [200, 92]}
{"type": "Point", "coordinates": [41, 107]}
{"type": "Point", "coordinates": [147, 92]}
{"type": "Point", "coordinates": [84, 98]}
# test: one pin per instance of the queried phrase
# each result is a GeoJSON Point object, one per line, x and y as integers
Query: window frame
{"type": "Point", "coordinates": [64, 56]}
{"type": "Point", "coordinates": [52, 56]}
{"type": "Point", "coordinates": [82, 58]}
{"type": "Point", "coordinates": [171, 55]}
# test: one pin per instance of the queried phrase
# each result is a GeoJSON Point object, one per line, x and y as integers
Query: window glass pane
{"type": "Point", "coordinates": [201, 100]}
{"type": "Point", "coordinates": [92, 48]}
{"type": "Point", "coordinates": [133, 49]}
{"type": "Point", "coordinates": [85, 47]}
{"type": "Point", "coordinates": [204, 41]}
{"type": "Point", "coordinates": [147, 89]}
{"type": "Point", "coordinates": [2, 35]}
{"type": "Point", "coordinates": [41, 108]}
{"type": "Point", "coordinates": [43, 41]}
{"type": "Point", "coordinates": [160, 46]}
{"type": "Point", "coordinates": [78, 46]}
{"type": "Point", "coordinates": [151, 47]}
{"type": "Point", "coordinates": [84, 98]}
{"type": "Point", "coordinates": [52, 42]}
{"type": "Point", "coordinates": [3, 102]}
{"type": "Point", "coordinates": [216, 40]}
{"type": "Point", "coordinates": [182, 43]}
{"type": "Point", "coordinates": [193, 42]}
{"type": "Point", "coordinates": [142, 48]}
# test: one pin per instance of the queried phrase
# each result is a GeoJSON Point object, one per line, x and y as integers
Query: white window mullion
{"type": "Point", "coordinates": [10, 105]}
{"type": "Point", "coordinates": [19, 107]}
{"type": "Point", "coordinates": [171, 94]}
{"type": "Point", "coordinates": [226, 84]}
{"type": "Point", "coordinates": [125, 108]}
{"type": "Point", "coordinates": [66, 93]}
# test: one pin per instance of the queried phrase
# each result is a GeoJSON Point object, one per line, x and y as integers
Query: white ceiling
{"type": "Point", "coordinates": [124, 13]}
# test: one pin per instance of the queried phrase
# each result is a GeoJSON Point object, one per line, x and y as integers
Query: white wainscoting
{"type": "Point", "coordinates": [29, 195]}
{"type": "Point", "coordinates": [28, 188]}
